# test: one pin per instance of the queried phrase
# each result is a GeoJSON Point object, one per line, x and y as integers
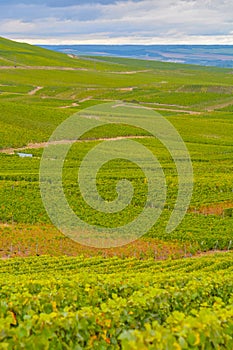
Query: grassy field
{"type": "Point", "coordinates": [39, 89]}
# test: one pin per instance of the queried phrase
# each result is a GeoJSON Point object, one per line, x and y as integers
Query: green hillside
{"type": "Point", "coordinates": [164, 291]}
{"type": "Point", "coordinates": [21, 54]}
{"type": "Point", "coordinates": [196, 100]}
{"type": "Point", "coordinates": [14, 53]}
{"type": "Point", "coordinates": [175, 90]}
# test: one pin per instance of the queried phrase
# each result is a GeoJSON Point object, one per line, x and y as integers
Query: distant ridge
{"type": "Point", "coordinates": [18, 54]}
{"type": "Point", "coordinates": [204, 55]}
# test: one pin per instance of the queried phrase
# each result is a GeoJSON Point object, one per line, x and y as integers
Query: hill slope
{"type": "Point", "coordinates": [198, 101]}
{"type": "Point", "coordinates": [96, 302]}
{"type": "Point", "coordinates": [14, 53]}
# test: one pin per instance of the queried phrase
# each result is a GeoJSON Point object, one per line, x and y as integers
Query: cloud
{"type": "Point", "coordinates": [60, 3]}
{"type": "Point", "coordinates": [116, 21]}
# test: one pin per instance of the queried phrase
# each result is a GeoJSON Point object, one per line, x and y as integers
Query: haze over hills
{"type": "Point", "coordinates": [205, 55]}
{"type": "Point", "coordinates": [15, 53]}
{"type": "Point", "coordinates": [20, 54]}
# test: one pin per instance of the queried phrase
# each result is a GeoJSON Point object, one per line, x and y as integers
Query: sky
{"type": "Point", "coordinates": [117, 21]}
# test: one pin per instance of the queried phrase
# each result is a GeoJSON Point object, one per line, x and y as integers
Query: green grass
{"type": "Point", "coordinates": [22, 54]}
{"type": "Point", "coordinates": [25, 54]}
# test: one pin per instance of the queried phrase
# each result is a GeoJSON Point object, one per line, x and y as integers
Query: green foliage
{"type": "Point", "coordinates": [21, 54]}
{"type": "Point", "coordinates": [77, 303]}
{"type": "Point", "coordinates": [21, 124]}
{"type": "Point", "coordinates": [20, 200]}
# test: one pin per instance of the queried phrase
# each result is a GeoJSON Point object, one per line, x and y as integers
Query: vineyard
{"type": "Point", "coordinates": [76, 303]}
{"type": "Point", "coordinates": [21, 203]}
{"type": "Point", "coordinates": [175, 90]}
{"type": "Point", "coordinates": [165, 290]}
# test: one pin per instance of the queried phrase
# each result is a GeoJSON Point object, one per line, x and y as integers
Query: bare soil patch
{"type": "Point", "coordinates": [73, 105]}
{"type": "Point", "coordinates": [126, 89]}
{"type": "Point", "coordinates": [34, 91]}
{"type": "Point", "coordinates": [213, 209]}
{"type": "Point", "coordinates": [85, 99]}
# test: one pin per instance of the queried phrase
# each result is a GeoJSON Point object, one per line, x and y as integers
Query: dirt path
{"type": "Point", "coordinates": [126, 89]}
{"type": "Point", "coordinates": [34, 91]}
{"type": "Point", "coordinates": [63, 142]}
{"type": "Point", "coordinates": [144, 105]}
{"type": "Point", "coordinates": [219, 106]}
{"type": "Point", "coordinates": [213, 209]}
{"type": "Point", "coordinates": [178, 111]}
{"type": "Point", "coordinates": [44, 68]}
{"type": "Point", "coordinates": [70, 69]}
{"type": "Point", "coordinates": [162, 107]}
{"type": "Point", "coordinates": [70, 106]}
{"type": "Point", "coordinates": [165, 105]}
{"type": "Point", "coordinates": [131, 71]}
{"type": "Point", "coordinates": [86, 99]}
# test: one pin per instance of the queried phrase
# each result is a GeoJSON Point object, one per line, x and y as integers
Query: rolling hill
{"type": "Point", "coordinates": [164, 290]}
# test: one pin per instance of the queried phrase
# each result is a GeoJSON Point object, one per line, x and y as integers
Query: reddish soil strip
{"type": "Point", "coordinates": [213, 209]}
{"type": "Point", "coordinates": [21, 240]}
{"type": "Point", "coordinates": [30, 240]}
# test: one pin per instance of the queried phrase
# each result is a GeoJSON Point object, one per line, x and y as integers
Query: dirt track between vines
{"type": "Point", "coordinates": [63, 142]}
{"type": "Point", "coordinates": [34, 91]}
{"type": "Point", "coordinates": [71, 69]}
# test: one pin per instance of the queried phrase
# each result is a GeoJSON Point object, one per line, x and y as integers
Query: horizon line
{"type": "Point", "coordinates": [54, 42]}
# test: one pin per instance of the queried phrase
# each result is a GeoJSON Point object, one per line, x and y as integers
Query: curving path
{"type": "Point", "coordinates": [34, 91]}
{"type": "Point", "coordinates": [62, 142]}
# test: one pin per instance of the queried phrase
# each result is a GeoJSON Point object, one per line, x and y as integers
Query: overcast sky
{"type": "Point", "coordinates": [117, 21]}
